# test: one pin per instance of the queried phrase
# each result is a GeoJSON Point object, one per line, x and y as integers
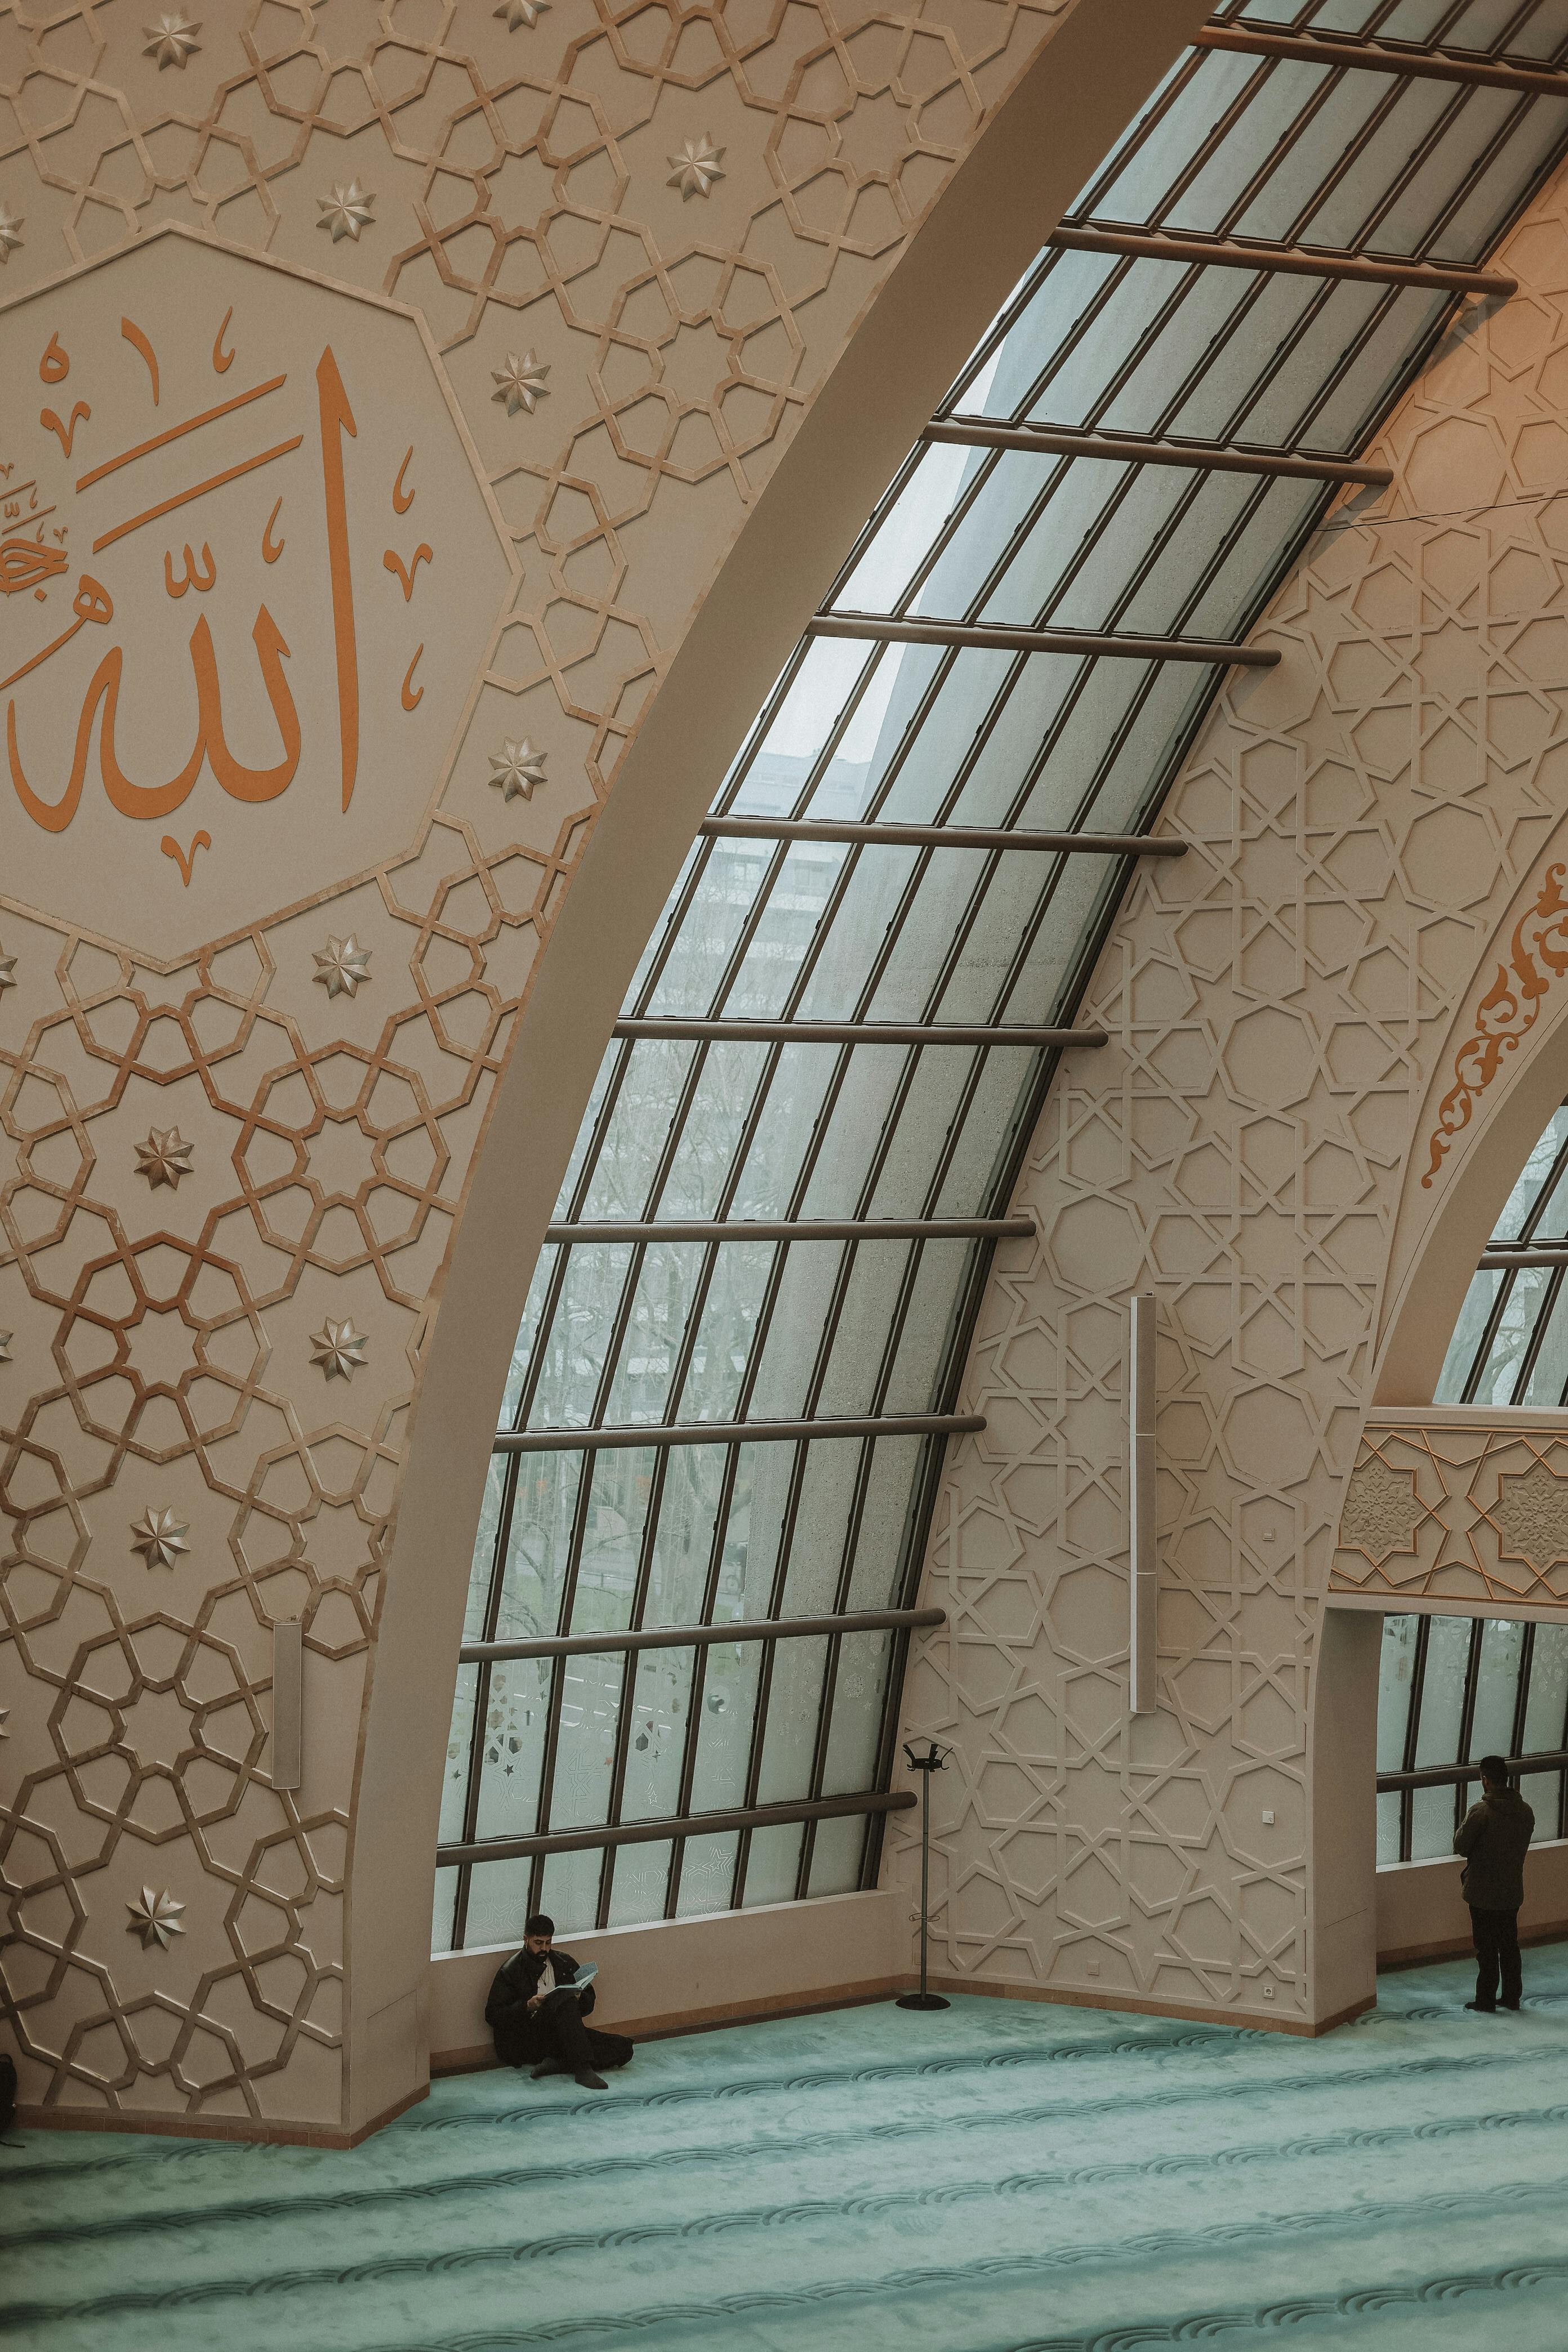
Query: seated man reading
{"type": "Point", "coordinates": [538, 2022]}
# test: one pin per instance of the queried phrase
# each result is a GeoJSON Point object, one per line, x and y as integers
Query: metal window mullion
{"type": "Point", "coordinates": [1167, 307]}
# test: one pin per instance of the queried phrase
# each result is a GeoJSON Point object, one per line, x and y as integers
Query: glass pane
{"type": "Point", "coordinates": [772, 1863]}
{"type": "Point", "coordinates": [620, 1485]}
{"type": "Point", "coordinates": [1396, 1665]}
{"type": "Point", "coordinates": [836, 1853]}
{"type": "Point", "coordinates": [1443, 1691]}
{"type": "Point", "coordinates": [708, 1875]}
{"type": "Point", "coordinates": [570, 1891]}
{"type": "Point", "coordinates": [498, 1904]}
{"type": "Point", "coordinates": [1469, 1333]}
{"type": "Point", "coordinates": [1546, 1710]}
{"type": "Point", "coordinates": [455, 1778]}
{"type": "Point", "coordinates": [724, 1731]}
{"type": "Point", "coordinates": [640, 1884]}
{"type": "Point", "coordinates": [1387, 1827]}
{"type": "Point", "coordinates": [661, 1703]}
{"type": "Point", "coordinates": [512, 1756]}
{"type": "Point", "coordinates": [1497, 1687]}
{"type": "Point", "coordinates": [1542, 1792]}
{"type": "Point", "coordinates": [1432, 1823]}
{"type": "Point", "coordinates": [856, 1729]}
{"type": "Point", "coordinates": [589, 1707]}
{"type": "Point", "coordinates": [538, 1548]}
{"type": "Point", "coordinates": [441, 1922]}
{"type": "Point", "coordinates": [794, 1701]}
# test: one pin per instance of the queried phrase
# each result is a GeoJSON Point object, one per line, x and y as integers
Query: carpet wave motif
{"type": "Point", "coordinates": [869, 2181]}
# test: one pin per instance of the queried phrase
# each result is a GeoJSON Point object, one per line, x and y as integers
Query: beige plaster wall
{"type": "Point", "coordinates": [448, 756]}
{"type": "Point", "coordinates": [659, 1978]}
{"type": "Point", "coordinates": [1292, 1139]}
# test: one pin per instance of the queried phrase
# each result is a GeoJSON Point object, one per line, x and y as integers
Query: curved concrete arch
{"type": "Point", "coordinates": [1041, 144]}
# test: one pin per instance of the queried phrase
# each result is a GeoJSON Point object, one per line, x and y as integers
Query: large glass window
{"type": "Point", "coordinates": [736, 1371]}
{"type": "Point", "coordinates": [1452, 1690]}
{"type": "Point", "coordinates": [1511, 1343]}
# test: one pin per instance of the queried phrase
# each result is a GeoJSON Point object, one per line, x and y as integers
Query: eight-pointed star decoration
{"type": "Point", "coordinates": [696, 168]}
{"type": "Point", "coordinates": [339, 1349]}
{"type": "Point", "coordinates": [155, 1915]}
{"type": "Point", "coordinates": [516, 768]}
{"type": "Point", "coordinates": [160, 1537]}
{"type": "Point", "coordinates": [341, 964]}
{"type": "Point", "coordinates": [165, 1158]}
{"type": "Point", "coordinates": [520, 383]}
{"type": "Point", "coordinates": [171, 40]}
{"type": "Point", "coordinates": [346, 211]}
{"type": "Point", "coordinates": [7, 971]}
{"type": "Point", "coordinates": [11, 224]}
{"type": "Point", "coordinates": [513, 12]}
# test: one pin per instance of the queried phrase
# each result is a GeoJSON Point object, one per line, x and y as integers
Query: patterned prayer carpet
{"type": "Point", "coordinates": [1006, 2177]}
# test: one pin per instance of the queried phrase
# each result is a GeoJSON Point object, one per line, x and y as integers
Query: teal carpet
{"type": "Point", "coordinates": [1005, 2178]}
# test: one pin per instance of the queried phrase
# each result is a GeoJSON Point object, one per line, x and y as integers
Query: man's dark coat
{"type": "Point", "coordinates": [524, 2038]}
{"type": "Point", "coordinates": [1494, 1838]}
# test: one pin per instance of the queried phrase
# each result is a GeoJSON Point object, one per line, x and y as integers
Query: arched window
{"type": "Point", "coordinates": [695, 1571]}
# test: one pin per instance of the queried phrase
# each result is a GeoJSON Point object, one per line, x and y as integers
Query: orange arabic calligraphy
{"type": "Point", "coordinates": [272, 549]}
{"type": "Point", "coordinates": [186, 859]}
{"type": "Point", "coordinates": [223, 360]}
{"type": "Point", "coordinates": [135, 800]}
{"type": "Point", "coordinates": [401, 500]}
{"type": "Point", "coordinates": [193, 578]}
{"type": "Point", "coordinates": [66, 432]}
{"type": "Point", "coordinates": [412, 696]}
{"type": "Point", "coordinates": [423, 554]}
{"type": "Point", "coordinates": [138, 341]}
{"type": "Point", "coordinates": [55, 365]}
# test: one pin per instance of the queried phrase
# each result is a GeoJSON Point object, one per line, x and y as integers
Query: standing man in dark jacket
{"type": "Point", "coordinates": [1494, 1838]}
{"type": "Point", "coordinates": [538, 2024]}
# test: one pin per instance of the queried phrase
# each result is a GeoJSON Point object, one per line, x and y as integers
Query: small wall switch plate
{"type": "Point", "coordinates": [1268, 1815]}
{"type": "Point", "coordinates": [1267, 1992]}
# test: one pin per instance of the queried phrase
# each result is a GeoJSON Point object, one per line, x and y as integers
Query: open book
{"type": "Point", "coordinates": [582, 1980]}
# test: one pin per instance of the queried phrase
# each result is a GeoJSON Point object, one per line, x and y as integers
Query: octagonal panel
{"type": "Point", "coordinates": [247, 574]}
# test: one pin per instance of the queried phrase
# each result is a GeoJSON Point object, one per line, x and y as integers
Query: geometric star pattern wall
{"type": "Point", "coordinates": [1456, 1508]}
{"type": "Point", "coordinates": [638, 241]}
{"type": "Point", "coordinates": [1367, 823]}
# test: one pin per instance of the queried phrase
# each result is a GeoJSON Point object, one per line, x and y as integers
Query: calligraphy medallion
{"type": "Point", "coordinates": [248, 576]}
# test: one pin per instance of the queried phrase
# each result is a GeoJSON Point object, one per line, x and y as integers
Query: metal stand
{"type": "Point", "coordinates": [925, 1764]}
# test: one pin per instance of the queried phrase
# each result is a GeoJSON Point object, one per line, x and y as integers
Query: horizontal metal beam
{"type": "Point", "coordinates": [751, 1817]}
{"type": "Point", "coordinates": [799, 1228]}
{"type": "Point", "coordinates": [1127, 448]}
{"type": "Point", "coordinates": [988, 637]}
{"type": "Point", "coordinates": [1538, 1254]}
{"type": "Point", "coordinates": [701, 1637]}
{"type": "Point", "coordinates": [1435, 1775]}
{"type": "Point", "coordinates": [1382, 56]}
{"type": "Point", "coordinates": [942, 836]}
{"type": "Point", "coordinates": [735, 1432]}
{"type": "Point", "coordinates": [1288, 261]}
{"type": "Point", "coordinates": [856, 1032]}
